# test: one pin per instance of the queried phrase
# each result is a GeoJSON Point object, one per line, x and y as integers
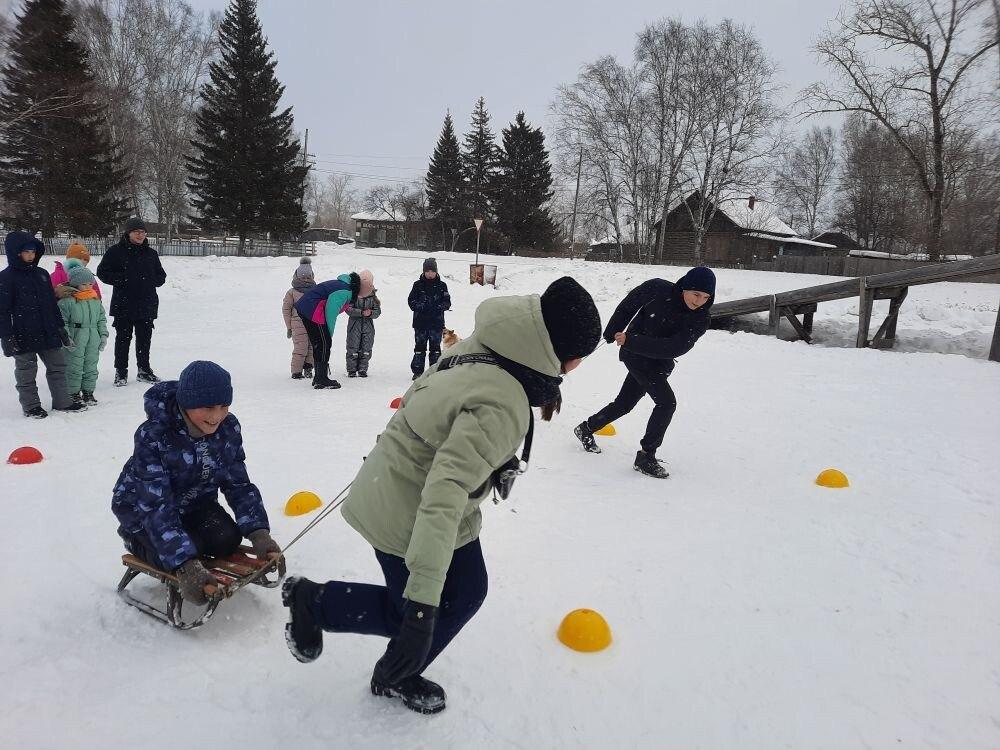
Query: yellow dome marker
{"type": "Point", "coordinates": [607, 431]}
{"type": "Point", "coordinates": [585, 630]}
{"type": "Point", "coordinates": [832, 478]}
{"type": "Point", "coordinates": [301, 503]}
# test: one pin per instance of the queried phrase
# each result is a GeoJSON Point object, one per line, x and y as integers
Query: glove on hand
{"type": "Point", "coordinates": [264, 546]}
{"type": "Point", "coordinates": [67, 340]}
{"type": "Point", "coordinates": [289, 333]}
{"type": "Point", "coordinates": [9, 345]}
{"type": "Point", "coordinates": [194, 578]}
{"type": "Point", "coordinates": [408, 650]}
{"type": "Point", "coordinates": [103, 344]}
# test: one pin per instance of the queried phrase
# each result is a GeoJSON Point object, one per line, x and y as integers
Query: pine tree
{"type": "Point", "coordinates": [523, 187]}
{"type": "Point", "coordinates": [246, 174]}
{"type": "Point", "coordinates": [445, 183]}
{"type": "Point", "coordinates": [60, 170]}
{"type": "Point", "coordinates": [479, 163]}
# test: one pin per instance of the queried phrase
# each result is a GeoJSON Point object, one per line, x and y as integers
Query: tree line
{"type": "Point", "coordinates": [914, 166]}
{"type": "Point", "coordinates": [145, 107]}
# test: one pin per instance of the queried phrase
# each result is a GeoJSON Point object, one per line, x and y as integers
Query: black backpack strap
{"type": "Point", "coordinates": [446, 363]}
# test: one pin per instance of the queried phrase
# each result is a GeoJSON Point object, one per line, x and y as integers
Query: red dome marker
{"type": "Point", "coordinates": [25, 455]}
{"type": "Point", "coordinates": [394, 404]}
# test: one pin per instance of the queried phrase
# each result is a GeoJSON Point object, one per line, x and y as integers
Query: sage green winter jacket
{"type": "Point", "coordinates": [418, 492]}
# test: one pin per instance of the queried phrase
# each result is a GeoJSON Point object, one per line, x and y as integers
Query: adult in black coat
{"type": "Point", "coordinates": [133, 268]}
{"type": "Point", "coordinates": [429, 299]}
{"type": "Point", "coordinates": [655, 323]}
{"type": "Point", "coordinates": [31, 326]}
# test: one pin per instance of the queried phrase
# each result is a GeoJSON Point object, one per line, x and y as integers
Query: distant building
{"type": "Point", "coordinates": [382, 229]}
{"type": "Point", "coordinates": [741, 231]}
{"type": "Point", "coordinates": [324, 234]}
{"type": "Point", "coordinates": [840, 239]}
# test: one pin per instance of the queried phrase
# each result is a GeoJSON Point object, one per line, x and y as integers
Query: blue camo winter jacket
{"type": "Point", "coordinates": [172, 473]}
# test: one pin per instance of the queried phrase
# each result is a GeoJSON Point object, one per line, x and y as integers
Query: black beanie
{"type": "Point", "coordinates": [133, 224]}
{"type": "Point", "coordinates": [430, 265]}
{"type": "Point", "coordinates": [698, 279]}
{"type": "Point", "coordinates": [571, 318]}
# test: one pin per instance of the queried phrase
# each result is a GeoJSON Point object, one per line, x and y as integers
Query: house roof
{"type": "Point", "coordinates": [763, 217]}
{"type": "Point", "coordinates": [790, 240]}
{"type": "Point", "coordinates": [379, 215]}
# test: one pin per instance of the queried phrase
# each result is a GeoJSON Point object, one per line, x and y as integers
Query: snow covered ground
{"type": "Point", "coordinates": [750, 608]}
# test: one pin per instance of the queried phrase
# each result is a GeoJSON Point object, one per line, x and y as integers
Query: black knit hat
{"type": "Point", "coordinates": [571, 318]}
{"type": "Point", "coordinates": [134, 224]}
{"type": "Point", "coordinates": [430, 265]}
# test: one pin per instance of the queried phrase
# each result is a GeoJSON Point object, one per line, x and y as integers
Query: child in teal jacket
{"type": "Point", "coordinates": [88, 326]}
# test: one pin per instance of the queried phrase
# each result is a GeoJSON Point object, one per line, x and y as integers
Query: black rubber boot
{"type": "Point", "coordinates": [302, 634]}
{"type": "Point", "coordinates": [586, 436]}
{"type": "Point", "coordinates": [650, 465]}
{"type": "Point", "coordinates": [418, 694]}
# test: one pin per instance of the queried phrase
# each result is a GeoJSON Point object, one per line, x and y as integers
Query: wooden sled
{"type": "Point", "coordinates": [233, 572]}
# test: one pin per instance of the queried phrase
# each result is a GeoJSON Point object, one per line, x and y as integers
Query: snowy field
{"type": "Point", "coordinates": [750, 608]}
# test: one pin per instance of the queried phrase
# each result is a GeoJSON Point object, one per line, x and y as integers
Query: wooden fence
{"type": "Point", "coordinates": [189, 248]}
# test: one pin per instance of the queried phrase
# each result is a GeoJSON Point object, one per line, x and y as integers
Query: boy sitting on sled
{"type": "Point", "coordinates": [167, 496]}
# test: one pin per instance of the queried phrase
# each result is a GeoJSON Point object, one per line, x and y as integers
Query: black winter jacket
{"type": "Point", "coordinates": [29, 316]}
{"type": "Point", "coordinates": [429, 299]}
{"type": "Point", "coordinates": [662, 327]}
{"type": "Point", "coordinates": [135, 273]}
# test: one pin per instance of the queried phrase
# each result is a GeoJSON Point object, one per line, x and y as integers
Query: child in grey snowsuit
{"type": "Point", "coordinates": [302, 357]}
{"type": "Point", "coordinates": [361, 316]}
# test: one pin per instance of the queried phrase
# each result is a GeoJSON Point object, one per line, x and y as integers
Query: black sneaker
{"type": "Point", "coordinates": [650, 465]}
{"type": "Point", "coordinates": [36, 412]}
{"type": "Point", "coordinates": [88, 398]}
{"type": "Point", "coordinates": [352, 374]}
{"type": "Point", "coordinates": [586, 436]}
{"type": "Point", "coordinates": [145, 375]}
{"type": "Point", "coordinates": [121, 378]}
{"type": "Point", "coordinates": [74, 406]}
{"type": "Point", "coordinates": [417, 693]}
{"type": "Point", "coordinates": [325, 384]}
{"type": "Point", "coordinates": [298, 376]}
{"type": "Point", "coordinates": [363, 374]}
{"type": "Point", "coordinates": [303, 636]}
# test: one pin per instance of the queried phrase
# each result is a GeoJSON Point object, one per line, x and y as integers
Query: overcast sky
{"type": "Point", "coordinates": [372, 79]}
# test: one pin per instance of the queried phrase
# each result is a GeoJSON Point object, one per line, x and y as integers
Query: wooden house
{"type": "Point", "coordinates": [742, 231]}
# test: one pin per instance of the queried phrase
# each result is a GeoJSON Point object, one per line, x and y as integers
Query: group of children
{"type": "Point", "coordinates": [310, 311]}
{"type": "Point", "coordinates": [58, 319]}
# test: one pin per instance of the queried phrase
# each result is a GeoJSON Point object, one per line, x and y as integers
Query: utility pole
{"type": "Point", "coordinates": [305, 148]}
{"type": "Point", "coordinates": [576, 200]}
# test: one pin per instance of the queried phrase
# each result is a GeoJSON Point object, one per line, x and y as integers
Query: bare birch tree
{"type": "Point", "coordinates": [806, 176]}
{"type": "Point", "coordinates": [907, 64]}
{"type": "Point", "coordinates": [151, 58]}
{"type": "Point", "coordinates": [738, 118]}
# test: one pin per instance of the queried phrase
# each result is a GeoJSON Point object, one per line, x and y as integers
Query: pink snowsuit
{"type": "Point", "coordinates": [301, 350]}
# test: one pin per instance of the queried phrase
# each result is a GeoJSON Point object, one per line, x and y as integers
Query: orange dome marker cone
{"type": "Point", "coordinates": [585, 630]}
{"type": "Point", "coordinates": [394, 404]}
{"type": "Point", "coordinates": [301, 503]}
{"type": "Point", "coordinates": [832, 478]}
{"type": "Point", "coordinates": [607, 431]}
{"type": "Point", "coordinates": [24, 455]}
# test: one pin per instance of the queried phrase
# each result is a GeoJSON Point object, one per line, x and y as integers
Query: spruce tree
{"type": "Point", "coordinates": [246, 174]}
{"type": "Point", "coordinates": [60, 170]}
{"type": "Point", "coordinates": [445, 183]}
{"type": "Point", "coordinates": [523, 187]}
{"type": "Point", "coordinates": [479, 163]}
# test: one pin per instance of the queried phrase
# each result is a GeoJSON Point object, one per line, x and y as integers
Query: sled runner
{"type": "Point", "coordinates": [233, 572]}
